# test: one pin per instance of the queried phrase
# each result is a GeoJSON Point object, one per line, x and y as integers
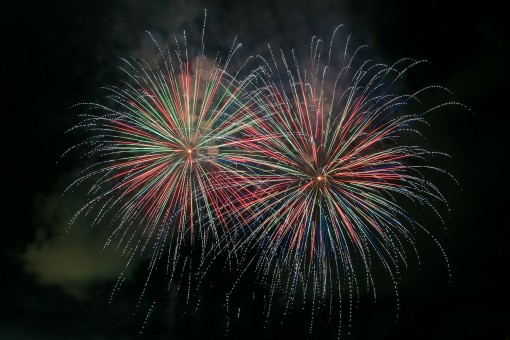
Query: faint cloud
{"type": "Point", "coordinates": [71, 257]}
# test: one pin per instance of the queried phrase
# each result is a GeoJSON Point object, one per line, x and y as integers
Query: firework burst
{"type": "Point", "coordinates": [333, 164]}
{"type": "Point", "coordinates": [166, 149]}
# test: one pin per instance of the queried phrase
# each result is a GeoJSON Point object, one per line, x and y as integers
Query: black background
{"type": "Point", "coordinates": [59, 53]}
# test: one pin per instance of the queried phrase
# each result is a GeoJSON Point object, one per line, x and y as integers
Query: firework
{"type": "Point", "coordinates": [166, 145]}
{"type": "Point", "coordinates": [299, 172]}
{"type": "Point", "coordinates": [333, 163]}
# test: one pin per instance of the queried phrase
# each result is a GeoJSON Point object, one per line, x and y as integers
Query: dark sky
{"type": "Point", "coordinates": [61, 53]}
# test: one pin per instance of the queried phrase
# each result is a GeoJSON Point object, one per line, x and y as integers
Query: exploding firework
{"type": "Point", "coordinates": [298, 172]}
{"type": "Point", "coordinates": [166, 169]}
{"type": "Point", "coordinates": [334, 160]}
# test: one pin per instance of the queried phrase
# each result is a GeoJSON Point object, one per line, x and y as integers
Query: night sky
{"type": "Point", "coordinates": [57, 285]}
